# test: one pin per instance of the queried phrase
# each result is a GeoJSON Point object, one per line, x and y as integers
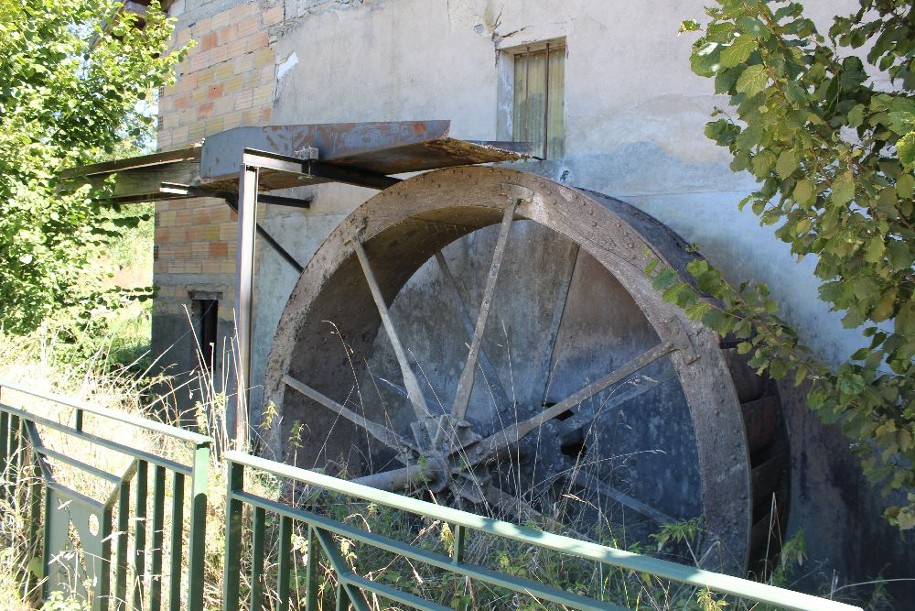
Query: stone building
{"type": "Point", "coordinates": [619, 112]}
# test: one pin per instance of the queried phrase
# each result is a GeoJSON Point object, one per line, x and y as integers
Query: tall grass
{"type": "Point", "coordinates": [45, 362]}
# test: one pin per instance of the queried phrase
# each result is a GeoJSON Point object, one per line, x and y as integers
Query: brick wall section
{"type": "Point", "coordinates": [227, 80]}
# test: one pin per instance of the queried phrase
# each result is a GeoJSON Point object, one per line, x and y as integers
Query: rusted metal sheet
{"type": "Point", "coordinates": [161, 158]}
{"type": "Point", "coordinates": [433, 154]}
{"type": "Point", "coordinates": [380, 148]}
{"type": "Point", "coordinates": [338, 150]}
{"type": "Point", "coordinates": [223, 151]}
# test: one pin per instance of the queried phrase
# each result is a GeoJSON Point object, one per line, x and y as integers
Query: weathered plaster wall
{"type": "Point", "coordinates": [634, 117]}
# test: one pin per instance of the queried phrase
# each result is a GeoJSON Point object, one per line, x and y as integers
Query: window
{"type": "Point", "coordinates": [538, 106]}
{"type": "Point", "coordinates": [206, 312]}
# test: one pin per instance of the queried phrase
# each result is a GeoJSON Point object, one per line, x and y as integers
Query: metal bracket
{"type": "Point", "coordinates": [171, 188]}
{"type": "Point", "coordinates": [517, 194]}
{"type": "Point", "coordinates": [682, 340]}
{"type": "Point", "coordinates": [309, 152]}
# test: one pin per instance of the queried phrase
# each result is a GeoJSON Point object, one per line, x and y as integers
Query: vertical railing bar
{"type": "Point", "coordinates": [14, 440]}
{"type": "Point", "coordinates": [342, 598]}
{"type": "Point", "coordinates": [285, 562]}
{"type": "Point", "coordinates": [235, 476]}
{"type": "Point", "coordinates": [139, 538]}
{"type": "Point", "coordinates": [46, 546]}
{"type": "Point", "coordinates": [197, 534]}
{"type": "Point", "coordinates": [257, 558]}
{"type": "Point", "coordinates": [311, 571]}
{"type": "Point", "coordinates": [78, 424]}
{"type": "Point", "coordinates": [340, 568]}
{"type": "Point", "coordinates": [35, 492]}
{"type": "Point", "coordinates": [102, 600]}
{"type": "Point", "coordinates": [174, 577]}
{"type": "Point", "coordinates": [120, 582]}
{"type": "Point", "coordinates": [4, 441]}
{"type": "Point", "coordinates": [158, 538]}
{"type": "Point", "coordinates": [460, 537]}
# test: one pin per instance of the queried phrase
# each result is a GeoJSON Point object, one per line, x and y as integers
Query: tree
{"type": "Point", "coordinates": [74, 75]}
{"type": "Point", "coordinates": [830, 137]}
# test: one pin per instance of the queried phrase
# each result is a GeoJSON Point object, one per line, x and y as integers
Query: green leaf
{"type": "Point", "coordinates": [787, 163]}
{"type": "Point", "coordinates": [906, 148]}
{"type": "Point", "coordinates": [905, 185]}
{"type": "Point", "coordinates": [873, 251]}
{"type": "Point", "coordinates": [752, 80]}
{"type": "Point", "coordinates": [705, 59]}
{"type": "Point", "coordinates": [752, 26]}
{"type": "Point", "coordinates": [738, 52]}
{"type": "Point", "coordinates": [843, 189]}
{"type": "Point", "coordinates": [885, 307]}
{"type": "Point", "coordinates": [851, 383]}
{"type": "Point", "coordinates": [688, 25]}
{"type": "Point", "coordinates": [804, 193]}
{"type": "Point", "coordinates": [856, 115]}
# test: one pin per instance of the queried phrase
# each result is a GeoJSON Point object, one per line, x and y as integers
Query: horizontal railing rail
{"type": "Point", "coordinates": [350, 586]}
{"type": "Point", "coordinates": [96, 547]}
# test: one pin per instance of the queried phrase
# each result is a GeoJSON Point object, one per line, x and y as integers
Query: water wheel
{"type": "Point", "coordinates": [492, 336]}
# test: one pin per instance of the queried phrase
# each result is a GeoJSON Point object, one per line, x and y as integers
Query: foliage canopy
{"type": "Point", "coordinates": [826, 124]}
{"type": "Point", "coordinates": [74, 77]}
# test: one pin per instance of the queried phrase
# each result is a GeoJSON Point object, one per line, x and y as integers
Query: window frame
{"type": "Point", "coordinates": [508, 61]}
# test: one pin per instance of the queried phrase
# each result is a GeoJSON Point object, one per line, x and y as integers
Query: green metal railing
{"type": "Point", "coordinates": [82, 548]}
{"type": "Point", "coordinates": [124, 548]}
{"type": "Point", "coordinates": [351, 587]}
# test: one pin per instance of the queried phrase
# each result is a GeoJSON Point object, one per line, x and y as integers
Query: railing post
{"type": "Point", "coordinates": [231, 571]}
{"type": "Point", "coordinates": [460, 537]}
{"type": "Point", "coordinates": [120, 581]}
{"type": "Point", "coordinates": [139, 540]}
{"type": "Point", "coordinates": [285, 563]}
{"type": "Point", "coordinates": [4, 442]}
{"type": "Point", "coordinates": [311, 571]}
{"type": "Point", "coordinates": [258, 537]}
{"type": "Point", "coordinates": [101, 600]}
{"type": "Point", "coordinates": [174, 585]}
{"type": "Point", "coordinates": [158, 537]}
{"type": "Point", "coordinates": [35, 498]}
{"type": "Point", "coordinates": [197, 534]}
{"type": "Point", "coordinates": [14, 440]}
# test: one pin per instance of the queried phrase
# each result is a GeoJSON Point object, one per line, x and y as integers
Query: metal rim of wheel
{"type": "Point", "coordinates": [342, 305]}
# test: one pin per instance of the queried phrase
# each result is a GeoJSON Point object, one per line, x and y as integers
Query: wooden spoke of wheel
{"type": "Point", "coordinates": [562, 298]}
{"type": "Point", "coordinates": [396, 479]}
{"type": "Point", "coordinates": [414, 394]}
{"type": "Point", "coordinates": [378, 431]}
{"type": "Point", "coordinates": [486, 367]}
{"type": "Point", "coordinates": [497, 442]}
{"type": "Point", "coordinates": [465, 384]}
{"type": "Point", "coordinates": [639, 386]}
{"type": "Point", "coordinates": [622, 498]}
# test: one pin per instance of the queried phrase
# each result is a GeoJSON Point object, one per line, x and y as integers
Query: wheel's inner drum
{"type": "Point", "coordinates": [559, 322]}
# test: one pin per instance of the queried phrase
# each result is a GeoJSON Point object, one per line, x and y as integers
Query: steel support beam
{"type": "Point", "coordinates": [244, 292]}
{"type": "Point", "coordinates": [313, 168]}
